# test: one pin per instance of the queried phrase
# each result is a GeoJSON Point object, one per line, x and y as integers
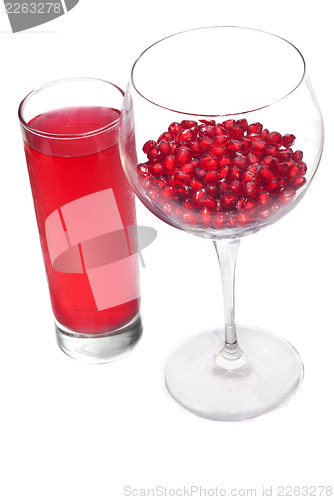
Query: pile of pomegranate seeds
{"type": "Point", "coordinates": [221, 175]}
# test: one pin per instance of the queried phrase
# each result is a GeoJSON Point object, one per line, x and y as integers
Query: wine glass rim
{"type": "Point", "coordinates": [42, 133]}
{"type": "Point", "coordinates": [224, 114]}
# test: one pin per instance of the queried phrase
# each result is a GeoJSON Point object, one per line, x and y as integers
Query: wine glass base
{"type": "Point", "coordinates": [269, 377]}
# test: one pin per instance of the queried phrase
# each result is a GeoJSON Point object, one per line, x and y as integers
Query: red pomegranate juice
{"type": "Point", "coordinates": [75, 169]}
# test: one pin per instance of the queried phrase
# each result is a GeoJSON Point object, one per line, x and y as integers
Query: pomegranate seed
{"type": "Point", "coordinates": [190, 218]}
{"type": "Point", "coordinates": [236, 187]}
{"type": "Point", "coordinates": [224, 161]}
{"type": "Point", "coordinates": [288, 140]}
{"type": "Point", "coordinates": [258, 146]}
{"type": "Point", "coordinates": [274, 138]}
{"type": "Point", "coordinates": [186, 135]}
{"type": "Point", "coordinates": [297, 155]}
{"type": "Point", "coordinates": [231, 222]}
{"type": "Point", "coordinates": [240, 161]}
{"type": "Point", "coordinates": [222, 185]}
{"type": "Point", "coordinates": [247, 143]}
{"type": "Point", "coordinates": [293, 172]}
{"type": "Point", "coordinates": [235, 174]}
{"type": "Point", "coordinates": [247, 205]}
{"type": "Point", "coordinates": [171, 180]}
{"type": "Point", "coordinates": [183, 156]}
{"type": "Point", "coordinates": [219, 221]}
{"type": "Point", "coordinates": [219, 131]}
{"type": "Point", "coordinates": [212, 191]}
{"type": "Point", "coordinates": [221, 140]}
{"type": "Point", "coordinates": [250, 189]}
{"type": "Point", "coordinates": [223, 172]}
{"type": "Point", "coordinates": [217, 151]}
{"type": "Point", "coordinates": [148, 146]}
{"type": "Point", "coordinates": [142, 169]}
{"type": "Point", "coordinates": [248, 176]}
{"type": "Point", "coordinates": [169, 192]}
{"type": "Point", "coordinates": [264, 132]}
{"type": "Point", "coordinates": [254, 168]}
{"type": "Point", "coordinates": [266, 174]}
{"type": "Point", "coordinates": [228, 124]}
{"type": "Point", "coordinates": [254, 128]}
{"type": "Point", "coordinates": [169, 164]}
{"type": "Point", "coordinates": [243, 122]}
{"type": "Point", "coordinates": [205, 217]}
{"type": "Point", "coordinates": [208, 163]}
{"type": "Point", "coordinates": [166, 136]}
{"type": "Point", "coordinates": [198, 196]}
{"type": "Point", "coordinates": [154, 153]}
{"type": "Point", "coordinates": [208, 122]}
{"type": "Point", "coordinates": [211, 178]}
{"type": "Point", "coordinates": [188, 168]}
{"type": "Point", "coordinates": [229, 200]}
{"type": "Point", "coordinates": [272, 150]}
{"type": "Point", "coordinates": [283, 182]}
{"type": "Point", "coordinates": [160, 182]}
{"type": "Point", "coordinates": [173, 146]}
{"type": "Point", "coordinates": [273, 187]}
{"type": "Point", "coordinates": [167, 207]}
{"type": "Point", "coordinates": [286, 197]}
{"type": "Point", "coordinates": [282, 169]}
{"type": "Point", "coordinates": [188, 123]}
{"type": "Point", "coordinates": [184, 192]}
{"type": "Point", "coordinates": [207, 202]}
{"type": "Point", "coordinates": [194, 148]}
{"type": "Point", "coordinates": [188, 204]}
{"type": "Point", "coordinates": [196, 184]}
{"type": "Point", "coordinates": [298, 182]}
{"type": "Point", "coordinates": [156, 169]}
{"type": "Point", "coordinates": [164, 147]}
{"type": "Point", "coordinates": [284, 155]}
{"type": "Point", "coordinates": [175, 129]}
{"type": "Point", "coordinates": [264, 198]}
{"type": "Point", "coordinates": [303, 167]}
{"type": "Point", "coordinates": [252, 158]}
{"type": "Point", "coordinates": [153, 193]}
{"type": "Point", "coordinates": [204, 144]}
{"type": "Point", "coordinates": [243, 220]}
{"type": "Point", "coordinates": [236, 132]}
{"type": "Point", "coordinates": [269, 161]}
{"type": "Point", "coordinates": [235, 146]}
{"type": "Point", "coordinates": [200, 173]}
{"type": "Point", "coordinates": [207, 130]}
{"type": "Point", "coordinates": [182, 177]}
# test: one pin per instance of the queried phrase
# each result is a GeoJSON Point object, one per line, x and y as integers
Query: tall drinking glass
{"type": "Point", "coordinates": [85, 212]}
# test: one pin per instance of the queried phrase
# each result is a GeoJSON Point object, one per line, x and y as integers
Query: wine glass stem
{"type": "Point", "coordinates": [227, 251]}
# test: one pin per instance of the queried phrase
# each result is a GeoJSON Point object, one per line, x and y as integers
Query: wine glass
{"type": "Point", "coordinates": [220, 136]}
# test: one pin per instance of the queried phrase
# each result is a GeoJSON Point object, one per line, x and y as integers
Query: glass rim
{"type": "Point", "coordinates": [217, 115]}
{"type": "Point", "coordinates": [42, 133]}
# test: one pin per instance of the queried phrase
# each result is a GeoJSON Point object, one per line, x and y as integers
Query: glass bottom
{"type": "Point", "coordinates": [99, 348]}
{"type": "Point", "coordinates": [266, 376]}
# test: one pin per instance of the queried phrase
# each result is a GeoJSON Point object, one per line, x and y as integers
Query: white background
{"type": "Point", "coordinates": [75, 431]}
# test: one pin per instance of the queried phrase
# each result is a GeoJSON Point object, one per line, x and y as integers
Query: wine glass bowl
{"type": "Point", "coordinates": [220, 136]}
{"type": "Point", "coordinates": [227, 174]}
